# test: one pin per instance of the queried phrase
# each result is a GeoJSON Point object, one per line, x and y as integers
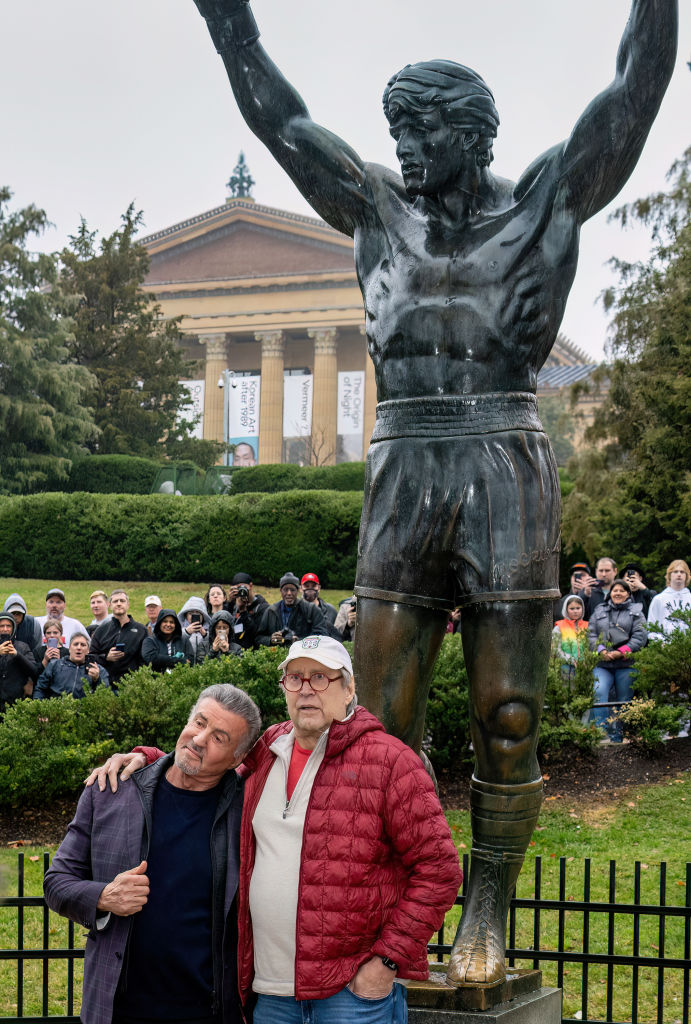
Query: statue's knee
{"type": "Point", "coordinates": [513, 721]}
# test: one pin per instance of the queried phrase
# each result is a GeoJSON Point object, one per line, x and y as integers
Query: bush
{"type": "Point", "coordinates": [346, 476]}
{"type": "Point", "coordinates": [447, 723]}
{"type": "Point", "coordinates": [165, 537]}
{"type": "Point", "coordinates": [108, 474]}
{"type": "Point", "coordinates": [646, 723]}
{"type": "Point", "coordinates": [564, 728]}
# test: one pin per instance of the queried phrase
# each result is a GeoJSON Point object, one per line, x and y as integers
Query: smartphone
{"type": "Point", "coordinates": [52, 643]}
{"type": "Point", "coordinates": [90, 659]}
{"type": "Point", "coordinates": [119, 647]}
{"type": "Point", "coordinates": [195, 616]}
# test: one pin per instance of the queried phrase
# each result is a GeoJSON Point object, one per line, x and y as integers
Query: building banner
{"type": "Point", "coordinates": [243, 420]}
{"type": "Point", "coordinates": [351, 415]}
{"type": "Point", "coordinates": [195, 407]}
{"type": "Point", "coordinates": [297, 405]}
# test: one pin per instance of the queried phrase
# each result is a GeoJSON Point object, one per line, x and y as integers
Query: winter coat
{"type": "Point", "coordinates": [16, 670]}
{"type": "Point", "coordinates": [110, 834]}
{"type": "Point", "coordinates": [28, 631]}
{"type": "Point", "coordinates": [65, 676]}
{"type": "Point", "coordinates": [109, 634]}
{"type": "Point", "coordinates": [565, 641]}
{"type": "Point", "coordinates": [304, 620]}
{"type": "Point", "coordinates": [620, 627]}
{"type": "Point", "coordinates": [662, 606]}
{"type": "Point", "coordinates": [233, 648]}
{"type": "Point", "coordinates": [378, 868]}
{"type": "Point", "coordinates": [155, 650]}
{"type": "Point", "coordinates": [198, 642]}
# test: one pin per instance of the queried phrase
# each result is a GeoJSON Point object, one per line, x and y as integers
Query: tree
{"type": "Point", "coordinates": [44, 416]}
{"type": "Point", "coordinates": [121, 336]}
{"type": "Point", "coordinates": [557, 419]}
{"type": "Point", "coordinates": [632, 491]}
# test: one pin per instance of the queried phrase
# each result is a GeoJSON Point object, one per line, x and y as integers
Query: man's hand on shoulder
{"type": "Point", "coordinates": [373, 980]}
{"type": "Point", "coordinates": [127, 893]}
{"type": "Point", "coordinates": [123, 764]}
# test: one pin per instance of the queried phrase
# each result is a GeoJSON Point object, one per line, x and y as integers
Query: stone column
{"type": "Point", "coordinates": [370, 397]}
{"type": "Point", "coordinates": [325, 400]}
{"type": "Point", "coordinates": [216, 363]}
{"type": "Point", "coordinates": [271, 403]}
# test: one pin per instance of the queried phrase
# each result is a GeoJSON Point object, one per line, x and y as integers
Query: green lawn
{"type": "Point", "coordinates": [173, 595]}
{"type": "Point", "coordinates": [646, 823]}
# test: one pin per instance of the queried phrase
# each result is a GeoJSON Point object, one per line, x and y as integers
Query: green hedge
{"type": "Point", "coordinates": [346, 476]}
{"type": "Point", "coordinates": [164, 537]}
{"type": "Point", "coordinates": [108, 474]}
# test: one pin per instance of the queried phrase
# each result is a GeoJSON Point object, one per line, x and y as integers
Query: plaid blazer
{"type": "Point", "coordinates": [109, 834]}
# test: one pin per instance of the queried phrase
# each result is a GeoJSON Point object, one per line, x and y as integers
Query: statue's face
{"type": "Point", "coordinates": [429, 151]}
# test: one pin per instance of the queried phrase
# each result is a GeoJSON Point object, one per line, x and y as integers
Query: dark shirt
{"type": "Point", "coordinates": [169, 972]}
{"type": "Point", "coordinates": [110, 633]}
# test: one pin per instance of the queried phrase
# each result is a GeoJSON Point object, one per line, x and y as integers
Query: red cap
{"type": "Point", "coordinates": [309, 576]}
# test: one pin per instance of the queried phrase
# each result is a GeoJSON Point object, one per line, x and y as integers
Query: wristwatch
{"type": "Point", "coordinates": [391, 964]}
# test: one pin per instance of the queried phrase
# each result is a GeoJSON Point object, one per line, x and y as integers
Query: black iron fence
{"type": "Point", "coordinates": [598, 950]}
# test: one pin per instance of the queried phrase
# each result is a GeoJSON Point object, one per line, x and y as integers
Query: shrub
{"type": "Point", "coordinates": [664, 667]}
{"type": "Point", "coordinates": [646, 723]}
{"type": "Point", "coordinates": [564, 727]}
{"type": "Point", "coordinates": [108, 474]}
{"type": "Point", "coordinates": [346, 476]}
{"type": "Point", "coordinates": [165, 537]}
{"type": "Point", "coordinates": [447, 724]}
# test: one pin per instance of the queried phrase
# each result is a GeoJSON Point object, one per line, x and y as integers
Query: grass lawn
{"type": "Point", "coordinates": [646, 823]}
{"type": "Point", "coordinates": [173, 595]}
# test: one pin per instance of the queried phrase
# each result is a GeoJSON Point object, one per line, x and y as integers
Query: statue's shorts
{"type": "Point", "coordinates": [462, 503]}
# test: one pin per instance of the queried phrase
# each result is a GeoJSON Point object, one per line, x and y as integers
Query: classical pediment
{"type": "Point", "coordinates": [245, 240]}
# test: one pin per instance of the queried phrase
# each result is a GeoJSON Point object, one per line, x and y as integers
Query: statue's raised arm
{"type": "Point", "coordinates": [325, 169]}
{"type": "Point", "coordinates": [608, 139]}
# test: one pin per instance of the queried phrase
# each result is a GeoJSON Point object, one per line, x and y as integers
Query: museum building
{"type": "Point", "coordinates": [272, 311]}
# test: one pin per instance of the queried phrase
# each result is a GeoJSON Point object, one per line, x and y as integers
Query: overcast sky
{"type": "Point", "coordinates": [109, 101]}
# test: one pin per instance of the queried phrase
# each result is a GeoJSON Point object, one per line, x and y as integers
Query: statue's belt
{"type": "Point", "coordinates": [456, 415]}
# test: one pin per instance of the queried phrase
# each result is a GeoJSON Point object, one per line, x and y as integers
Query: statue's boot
{"type": "Point", "coordinates": [503, 818]}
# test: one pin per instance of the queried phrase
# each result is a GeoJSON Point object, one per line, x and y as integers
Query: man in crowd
{"type": "Point", "coordinates": [18, 669]}
{"type": "Point", "coordinates": [675, 597]}
{"type": "Point", "coordinates": [55, 609]}
{"type": "Point", "coordinates": [606, 573]}
{"type": "Point", "coordinates": [290, 618]}
{"type": "Point", "coordinates": [256, 603]}
{"type": "Point", "coordinates": [152, 607]}
{"type": "Point", "coordinates": [343, 814]}
{"type": "Point", "coordinates": [152, 872]}
{"type": "Point", "coordinates": [346, 618]}
{"type": "Point", "coordinates": [28, 628]}
{"type": "Point", "coordinates": [640, 591]}
{"type": "Point", "coordinates": [117, 643]}
{"type": "Point", "coordinates": [311, 588]}
{"type": "Point", "coordinates": [98, 602]}
{"type": "Point", "coordinates": [74, 674]}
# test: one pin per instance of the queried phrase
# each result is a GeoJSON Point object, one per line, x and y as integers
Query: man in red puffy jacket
{"type": "Point", "coordinates": [347, 866]}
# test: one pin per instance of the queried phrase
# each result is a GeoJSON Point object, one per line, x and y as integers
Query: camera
{"type": "Point", "coordinates": [288, 636]}
{"type": "Point", "coordinates": [90, 659]}
{"type": "Point", "coordinates": [242, 591]}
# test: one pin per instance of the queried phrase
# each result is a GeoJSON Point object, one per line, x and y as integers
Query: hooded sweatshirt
{"type": "Point", "coordinates": [16, 670]}
{"type": "Point", "coordinates": [662, 606]}
{"type": "Point", "coordinates": [199, 641]}
{"type": "Point", "coordinates": [565, 633]}
{"type": "Point", "coordinates": [165, 651]}
{"type": "Point", "coordinates": [29, 630]}
{"type": "Point", "coordinates": [233, 648]}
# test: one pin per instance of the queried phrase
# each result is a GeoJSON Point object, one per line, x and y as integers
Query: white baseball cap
{"type": "Point", "coordinates": [323, 649]}
{"type": "Point", "coordinates": [152, 599]}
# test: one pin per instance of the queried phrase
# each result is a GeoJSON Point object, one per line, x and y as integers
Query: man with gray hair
{"type": "Point", "coordinates": [152, 872]}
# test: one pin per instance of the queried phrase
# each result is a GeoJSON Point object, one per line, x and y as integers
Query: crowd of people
{"type": "Point", "coordinates": [616, 614]}
{"type": "Point", "coordinates": [51, 654]}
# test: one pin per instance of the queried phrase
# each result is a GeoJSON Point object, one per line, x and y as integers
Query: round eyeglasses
{"type": "Point", "coordinates": [318, 681]}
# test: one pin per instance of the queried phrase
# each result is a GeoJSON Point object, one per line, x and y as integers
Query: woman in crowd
{"type": "Point", "coordinates": [675, 597]}
{"type": "Point", "coordinates": [194, 621]}
{"type": "Point", "coordinates": [221, 636]}
{"type": "Point", "coordinates": [168, 646]}
{"type": "Point", "coordinates": [616, 630]}
{"type": "Point", "coordinates": [565, 639]}
{"type": "Point", "coordinates": [53, 645]}
{"type": "Point", "coordinates": [215, 598]}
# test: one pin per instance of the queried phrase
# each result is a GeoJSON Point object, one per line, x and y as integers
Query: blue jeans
{"type": "Point", "coordinates": [343, 1008]}
{"type": "Point", "coordinates": [605, 679]}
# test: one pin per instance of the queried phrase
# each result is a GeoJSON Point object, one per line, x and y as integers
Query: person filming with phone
{"type": "Point", "coordinates": [18, 669]}
{"type": "Point", "coordinates": [117, 644]}
{"type": "Point", "coordinates": [194, 621]}
{"type": "Point", "coordinates": [75, 674]}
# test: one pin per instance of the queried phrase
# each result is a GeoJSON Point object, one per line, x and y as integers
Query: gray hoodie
{"type": "Point", "coordinates": [29, 631]}
{"type": "Point", "coordinates": [198, 641]}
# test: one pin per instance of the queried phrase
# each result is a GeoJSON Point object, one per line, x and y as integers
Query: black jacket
{"type": "Point", "coordinates": [132, 635]}
{"type": "Point", "coordinates": [233, 647]}
{"type": "Point", "coordinates": [155, 648]}
{"type": "Point", "coordinates": [304, 620]}
{"type": "Point", "coordinates": [64, 676]}
{"type": "Point", "coordinates": [15, 669]}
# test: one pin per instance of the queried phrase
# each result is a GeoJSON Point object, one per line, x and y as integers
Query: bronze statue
{"type": "Point", "coordinates": [464, 277]}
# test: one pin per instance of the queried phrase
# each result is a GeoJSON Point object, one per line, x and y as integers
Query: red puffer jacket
{"type": "Point", "coordinates": [378, 866]}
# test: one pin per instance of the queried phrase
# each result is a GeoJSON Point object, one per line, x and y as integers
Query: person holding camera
{"type": "Point", "coordinates": [72, 674]}
{"type": "Point", "coordinates": [245, 621]}
{"type": "Point", "coordinates": [18, 670]}
{"type": "Point", "coordinates": [53, 645]}
{"type": "Point", "coordinates": [117, 644]}
{"type": "Point", "coordinates": [346, 618]}
{"type": "Point", "coordinates": [605, 573]}
{"type": "Point", "coordinates": [290, 619]}
{"type": "Point", "coordinates": [194, 621]}
{"type": "Point", "coordinates": [640, 591]}
{"type": "Point", "coordinates": [221, 641]}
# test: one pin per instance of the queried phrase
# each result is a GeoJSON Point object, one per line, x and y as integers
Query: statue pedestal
{"type": "Point", "coordinates": [519, 1000]}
